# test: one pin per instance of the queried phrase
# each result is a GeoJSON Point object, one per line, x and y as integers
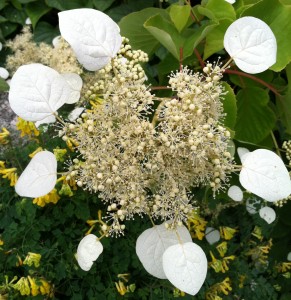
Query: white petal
{"type": "Point", "coordinates": [152, 243]}
{"type": "Point", "coordinates": [47, 120]}
{"type": "Point", "coordinates": [235, 193]}
{"type": "Point", "coordinates": [268, 214]}
{"type": "Point", "coordinates": [289, 256]}
{"type": "Point", "coordinates": [241, 152]}
{"type": "Point", "coordinates": [75, 113]}
{"type": "Point", "coordinates": [185, 266]}
{"type": "Point", "coordinates": [39, 177]}
{"type": "Point", "coordinates": [1, 46]}
{"type": "Point", "coordinates": [4, 73]}
{"type": "Point", "coordinates": [94, 36]}
{"type": "Point", "coordinates": [252, 44]}
{"type": "Point", "coordinates": [212, 235]}
{"type": "Point", "coordinates": [88, 251]}
{"type": "Point", "coordinates": [37, 91]}
{"type": "Point", "coordinates": [252, 205]}
{"type": "Point", "coordinates": [56, 41]}
{"type": "Point", "coordinates": [265, 175]}
{"type": "Point", "coordinates": [28, 21]}
{"type": "Point", "coordinates": [75, 82]}
{"type": "Point", "coordinates": [230, 1]}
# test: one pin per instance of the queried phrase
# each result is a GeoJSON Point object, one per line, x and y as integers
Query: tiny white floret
{"type": "Point", "coordinates": [268, 214]}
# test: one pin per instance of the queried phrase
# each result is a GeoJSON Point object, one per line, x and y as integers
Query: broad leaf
{"type": "Point", "coordinates": [152, 243]}
{"type": "Point", "coordinates": [94, 36]}
{"type": "Point", "coordinates": [44, 32]}
{"type": "Point", "coordinates": [89, 249]}
{"type": "Point", "coordinates": [268, 214]}
{"type": "Point", "coordinates": [229, 106]}
{"type": "Point", "coordinates": [220, 9]}
{"type": "Point", "coordinates": [235, 193]}
{"type": "Point", "coordinates": [255, 119]}
{"type": "Point", "coordinates": [66, 5]}
{"type": "Point", "coordinates": [265, 175]}
{"type": "Point", "coordinates": [39, 177]}
{"type": "Point", "coordinates": [185, 266]}
{"type": "Point", "coordinates": [102, 4]}
{"type": "Point", "coordinates": [75, 82]}
{"type": "Point", "coordinates": [132, 26]}
{"type": "Point", "coordinates": [252, 44]}
{"type": "Point", "coordinates": [36, 10]}
{"type": "Point", "coordinates": [37, 91]}
{"type": "Point", "coordinates": [4, 86]}
{"type": "Point", "coordinates": [179, 15]}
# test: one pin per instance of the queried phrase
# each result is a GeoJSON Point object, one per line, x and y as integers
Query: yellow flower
{"type": "Point", "coordinates": [222, 248]}
{"type": "Point", "coordinates": [122, 290]}
{"type": "Point", "coordinates": [51, 197]}
{"type": "Point", "coordinates": [3, 136]}
{"type": "Point", "coordinates": [22, 285]}
{"type": "Point", "coordinates": [196, 225]}
{"type": "Point", "coordinates": [221, 287]}
{"type": "Point", "coordinates": [257, 232]}
{"type": "Point", "coordinates": [10, 173]}
{"type": "Point", "coordinates": [66, 190]}
{"type": "Point", "coordinates": [34, 288]}
{"type": "Point", "coordinates": [26, 128]}
{"type": "Point", "coordinates": [242, 279]}
{"type": "Point", "coordinates": [220, 265]}
{"type": "Point", "coordinates": [177, 293]}
{"type": "Point", "coordinates": [283, 267]}
{"type": "Point", "coordinates": [59, 154]}
{"type": "Point", "coordinates": [226, 232]}
{"type": "Point", "coordinates": [32, 259]}
{"type": "Point", "coordinates": [31, 155]}
{"type": "Point", "coordinates": [1, 242]}
{"type": "Point", "coordinates": [45, 288]}
{"type": "Point", "coordinates": [71, 143]}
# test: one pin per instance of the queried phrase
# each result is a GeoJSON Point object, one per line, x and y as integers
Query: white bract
{"type": "Point", "coordinates": [1, 46]}
{"type": "Point", "coordinates": [75, 82]}
{"type": "Point", "coordinates": [268, 214]}
{"type": "Point", "coordinates": [241, 152]}
{"type": "Point", "coordinates": [230, 1]}
{"type": "Point", "coordinates": [289, 256]}
{"type": "Point", "coordinates": [88, 251]}
{"type": "Point", "coordinates": [37, 92]}
{"type": "Point", "coordinates": [39, 177]}
{"type": "Point", "coordinates": [265, 175]}
{"type": "Point", "coordinates": [152, 243]}
{"type": "Point", "coordinates": [253, 205]}
{"type": "Point", "coordinates": [28, 21]}
{"type": "Point", "coordinates": [4, 73]}
{"type": "Point", "coordinates": [94, 37]}
{"type": "Point", "coordinates": [252, 44]}
{"type": "Point", "coordinates": [56, 41]}
{"type": "Point", "coordinates": [185, 266]}
{"type": "Point", "coordinates": [75, 113]}
{"type": "Point", "coordinates": [47, 120]}
{"type": "Point", "coordinates": [235, 193]}
{"type": "Point", "coordinates": [212, 235]}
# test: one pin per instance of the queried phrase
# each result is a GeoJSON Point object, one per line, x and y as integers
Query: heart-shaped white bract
{"type": "Point", "coordinates": [152, 243]}
{"type": "Point", "coordinates": [265, 175]}
{"type": "Point", "coordinates": [37, 92]}
{"type": "Point", "coordinates": [212, 235]}
{"type": "Point", "coordinates": [88, 251]}
{"type": "Point", "coordinates": [185, 266]}
{"type": "Point", "coordinates": [75, 82]}
{"type": "Point", "coordinates": [39, 177]}
{"type": "Point", "coordinates": [4, 73]}
{"type": "Point", "coordinates": [235, 193]}
{"type": "Point", "coordinates": [47, 120]}
{"type": "Point", "coordinates": [252, 44]}
{"type": "Point", "coordinates": [241, 152]}
{"type": "Point", "coordinates": [268, 214]}
{"type": "Point", "coordinates": [94, 37]}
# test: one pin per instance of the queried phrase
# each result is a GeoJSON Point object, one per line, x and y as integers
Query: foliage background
{"type": "Point", "coordinates": [259, 114]}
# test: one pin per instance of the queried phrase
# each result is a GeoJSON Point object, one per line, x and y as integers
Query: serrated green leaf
{"type": "Point", "coordinates": [214, 39]}
{"type": "Point", "coordinates": [278, 18]}
{"type": "Point", "coordinates": [229, 106]}
{"type": "Point", "coordinates": [131, 26]}
{"type": "Point", "coordinates": [179, 15]}
{"type": "Point", "coordinates": [4, 86]}
{"type": "Point", "coordinates": [36, 10]}
{"type": "Point", "coordinates": [255, 119]}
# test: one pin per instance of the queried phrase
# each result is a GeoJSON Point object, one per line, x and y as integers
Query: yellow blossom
{"type": "Point", "coordinates": [1, 242]}
{"type": "Point", "coordinates": [226, 232]}
{"type": "Point", "coordinates": [283, 267]}
{"type": "Point", "coordinates": [196, 225]}
{"type": "Point", "coordinates": [59, 154]}
{"type": "Point", "coordinates": [71, 143]}
{"type": "Point", "coordinates": [3, 136]}
{"type": "Point", "coordinates": [221, 287]}
{"type": "Point", "coordinates": [32, 259]}
{"type": "Point", "coordinates": [222, 248]}
{"type": "Point", "coordinates": [10, 173]}
{"type": "Point", "coordinates": [51, 197]}
{"type": "Point", "coordinates": [257, 232]}
{"type": "Point", "coordinates": [242, 279]}
{"type": "Point", "coordinates": [31, 155]}
{"type": "Point", "coordinates": [22, 285]}
{"type": "Point", "coordinates": [45, 288]}
{"type": "Point", "coordinates": [178, 293]}
{"type": "Point", "coordinates": [220, 265]}
{"type": "Point", "coordinates": [122, 290]}
{"type": "Point", "coordinates": [26, 128]}
{"type": "Point", "coordinates": [34, 288]}
{"type": "Point", "coordinates": [66, 190]}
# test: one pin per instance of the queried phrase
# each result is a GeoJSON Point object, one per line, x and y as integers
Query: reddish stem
{"type": "Point", "coordinates": [202, 64]}
{"type": "Point", "coordinates": [262, 82]}
{"type": "Point", "coordinates": [160, 88]}
{"type": "Point", "coordinates": [181, 59]}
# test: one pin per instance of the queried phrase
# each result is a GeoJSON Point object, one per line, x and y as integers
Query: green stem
{"type": "Point", "coordinates": [276, 144]}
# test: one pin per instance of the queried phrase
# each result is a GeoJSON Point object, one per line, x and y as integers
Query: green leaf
{"type": "Point", "coordinates": [278, 18]}
{"type": "Point", "coordinates": [166, 34]}
{"type": "Point", "coordinates": [7, 28]}
{"type": "Point", "coordinates": [198, 34]}
{"type": "Point", "coordinates": [44, 32]}
{"type": "Point", "coordinates": [14, 15]}
{"type": "Point", "coordinates": [218, 9]}
{"type": "Point", "coordinates": [16, 4]}
{"type": "Point", "coordinates": [214, 39]}
{"type": "Point", "coordinates": [66, 5]}
{"type": "Point", "coordinates": [36, 10]}
{"type": "Point", "coordinates": [229, 106]}
{"type": "Point", "coordinates": [131, 26]}
{"type": "Point", "coordinates": [255, 119]}
{"type": "Point", "coordinates": [102, 4]}
{"type": "Point", "coordinates": [4, 86]}
{"type": "Point", "coordinates": [26, 1]}
{"type": "Point", "coordinates": [180, 14]}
